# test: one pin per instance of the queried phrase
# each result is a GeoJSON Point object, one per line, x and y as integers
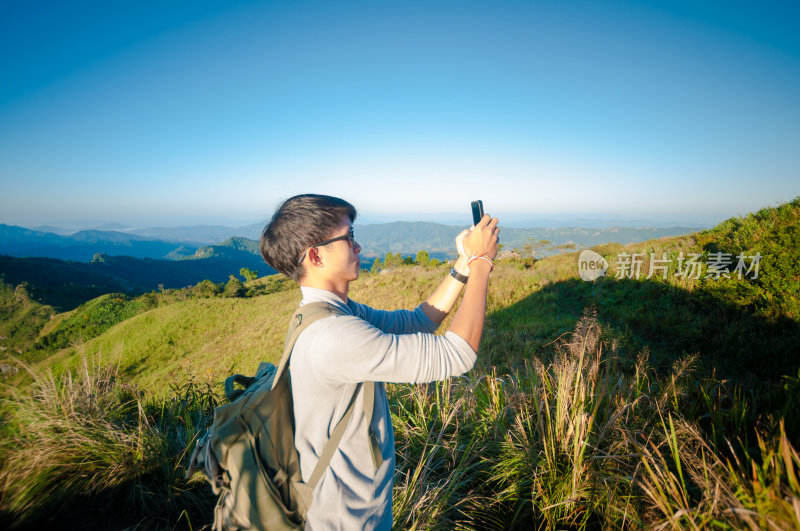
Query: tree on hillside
{"type": "Point", "coordinates": [376, 265]}
{"type": "Point", "coordinates": [531, 247]}
{"type": "Point", "coordinates": [234, 287]}
{"type": "Point", "coordinates": [423, 258]}
{"type": "Point", "coordinates": [392, 260]}
{"type": "Point", "coordinates": [408, 260]}
{"type": "Point", "coordinates": [207, 288]}
{"type": "Point", "coordinates": [248, 274]}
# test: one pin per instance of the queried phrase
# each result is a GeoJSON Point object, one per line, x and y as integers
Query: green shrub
{"type": "Point", "coordinates": [206, 289]}
{"type": "Point", "coordinates": [248, 274]}
{"type": "Point", "coordinates": [22, 319]}
{"type": "Point", "coordinates": [234, 288]}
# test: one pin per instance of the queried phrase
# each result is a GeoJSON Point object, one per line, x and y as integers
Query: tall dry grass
{"type": "Point", "coordinates": [87, 439]}
{"type": "Point", "coordinates": [579, 442]}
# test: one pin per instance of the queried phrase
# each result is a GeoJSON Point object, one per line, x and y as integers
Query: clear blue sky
{"type": "Point", "coordinates": [195, 111]}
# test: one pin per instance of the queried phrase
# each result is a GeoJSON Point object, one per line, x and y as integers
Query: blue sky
{"type": "Point", "coordinates": [187, 112]}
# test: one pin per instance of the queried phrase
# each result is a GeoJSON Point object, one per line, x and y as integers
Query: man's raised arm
{"type": "Point", "coordinates": [481, 241]}
{"type": "Point", "coordinates": [481, 246]}
{"type": "Point", "coordinates": [441, 301]}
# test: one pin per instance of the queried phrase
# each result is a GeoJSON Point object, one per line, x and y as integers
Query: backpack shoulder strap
{"type": "Point", "coordinates": [302, 318]}
{"type": "Point", "coordinates": [369, 407]}
{"type": "Point", "coordinates": [336, 436]}
{"type": "Point", "coordinates": [333, 443]}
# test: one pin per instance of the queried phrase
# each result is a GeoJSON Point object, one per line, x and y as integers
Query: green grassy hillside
{"type": "Point", "coordinates": [35, 331]}
{"type": "Point", "coordinates": [621, 402]}
{"type": "Point", "coordinates": [22, 319]}
{"type": "Point", "coordinates": [211, 338]}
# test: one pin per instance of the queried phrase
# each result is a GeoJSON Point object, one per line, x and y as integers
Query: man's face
{"type": "Point", "coordinates": [340, 258]}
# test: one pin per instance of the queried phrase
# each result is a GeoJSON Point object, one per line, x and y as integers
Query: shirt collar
{"type": "Point", "coordinates": [321, 295]}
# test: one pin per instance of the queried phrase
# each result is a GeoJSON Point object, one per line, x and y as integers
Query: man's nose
{"type": "Point", "coordinates": [356, 247]}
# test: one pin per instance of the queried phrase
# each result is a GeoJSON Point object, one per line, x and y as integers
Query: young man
{"type": "Point", "coordinates": [310, 239]}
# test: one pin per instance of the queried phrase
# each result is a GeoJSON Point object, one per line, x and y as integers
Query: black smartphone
{"type": "Point", "coordinates": [477, 211]}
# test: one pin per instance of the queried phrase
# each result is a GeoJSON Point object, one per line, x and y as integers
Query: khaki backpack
{"type": "Point", "coordinates": [248, 454]}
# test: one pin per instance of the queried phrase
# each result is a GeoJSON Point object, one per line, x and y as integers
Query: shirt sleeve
{"type": "Point", "coordinates": [394, 322]}
{"type": "Point", "coordinates": [347, 349]}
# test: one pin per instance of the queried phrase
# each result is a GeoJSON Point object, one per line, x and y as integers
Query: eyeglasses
{"type": "Point", "coordinates": [350, 237]}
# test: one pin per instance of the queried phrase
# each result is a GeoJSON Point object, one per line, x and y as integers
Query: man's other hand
{"type": "Point", "coordinates": [460, 244]}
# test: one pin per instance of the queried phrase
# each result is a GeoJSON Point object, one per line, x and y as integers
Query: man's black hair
{"type": "Point", "coordinates": [300, 222]}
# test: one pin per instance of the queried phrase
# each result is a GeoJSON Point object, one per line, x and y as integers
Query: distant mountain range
{"type": "Point", "coordinates": [202, 241]}
{"type": "Point", "coordinates": [80, 246]}
{"type": "Point", "coordinates": [67, 269]}
{"type": "Point", "coordinates": [409, 237]}
{"type": "Point", "coordinates": [194, 234]}
{"type": "Point", "coordinates": [199, 234]}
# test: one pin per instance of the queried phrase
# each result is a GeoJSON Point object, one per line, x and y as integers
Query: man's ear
{"type": "Point", "coordinates": [314, 257]}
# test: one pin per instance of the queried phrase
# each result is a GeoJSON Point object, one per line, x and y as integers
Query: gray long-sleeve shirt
{"type": "Point", "coordinates": [329, 359]}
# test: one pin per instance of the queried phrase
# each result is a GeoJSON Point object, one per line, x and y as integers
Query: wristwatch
{"type": "Point", "coordinates": [458, 276]}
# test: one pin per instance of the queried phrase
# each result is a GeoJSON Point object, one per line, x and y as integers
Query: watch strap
{"type": "Point", "coordinates": [458, 276]}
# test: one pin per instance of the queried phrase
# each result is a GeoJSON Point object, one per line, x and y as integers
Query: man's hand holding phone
{"type": "Point", "coordinates": [480, 240]}
{"type": "Point", "coordinates": [479, 245]}
{"type": "Point", "coordinates": [483, 239]}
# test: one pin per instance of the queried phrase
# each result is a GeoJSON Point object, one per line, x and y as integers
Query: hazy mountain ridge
{"type": "Point", "coordinates": [200, 234]}
{"type": "Point", "coordinates": [410, 237]}
{"type": "Point", "coordinates": [234, 243]}
{"type": "Point", "coordinates": [80, 246]}
{"type": "Point", "coordinates": [197, 234]}
{"type": "Point", "coordinates": [403, 237]}
{"type": "Point", "coordinates": [66, 270]}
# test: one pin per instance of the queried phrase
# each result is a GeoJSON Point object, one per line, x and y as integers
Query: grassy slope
{"type": "Point", "coordinates": [212, 338]}
{"type": "Point", "coordinates": [731, 324]}
{"type": "Point", "coordinates": [22, 319]}
{"type": "Point", "coordinates": [208, 338]}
